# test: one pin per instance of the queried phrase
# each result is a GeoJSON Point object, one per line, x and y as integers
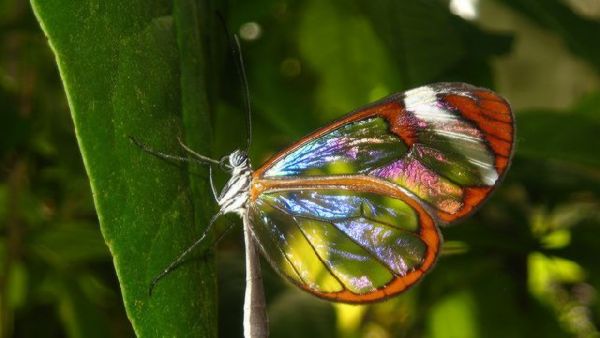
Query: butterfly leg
{"type": "Point", "coordinates": [165, 156]}
{"type": "Point", "coordinates": [184, 254]}
{"type": "Point", "coordinates": [199, 157]}
{"type": "Point", "coordinates": [212, 185]}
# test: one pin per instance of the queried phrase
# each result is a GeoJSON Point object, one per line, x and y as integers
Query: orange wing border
{"type": "Point", "coordinates": [494, 117]}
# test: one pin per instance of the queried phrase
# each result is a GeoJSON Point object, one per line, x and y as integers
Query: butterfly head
{"type": "Point", "coordinates": [239, 159]}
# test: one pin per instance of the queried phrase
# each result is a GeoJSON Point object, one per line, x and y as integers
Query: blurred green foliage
{"type": "Point", "coordinates": [526, 264]}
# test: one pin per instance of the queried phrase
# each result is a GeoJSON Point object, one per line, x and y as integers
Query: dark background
{"type": "Point", "coordinates": [527, 264]}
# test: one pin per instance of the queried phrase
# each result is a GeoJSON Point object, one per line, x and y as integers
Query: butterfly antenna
{"type": "Point", "coordinates": [236, 52]}
{"type": "Point", "coordinates": [175, 264]}
{"type": "Point", "coordinates": [245, 90]}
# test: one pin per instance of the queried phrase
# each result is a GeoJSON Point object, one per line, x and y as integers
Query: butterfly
{"type": "Point", "coordinates": [351, 212]}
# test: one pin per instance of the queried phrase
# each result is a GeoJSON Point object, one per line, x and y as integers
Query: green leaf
{"type": "Point", "coordinates": [454, 316]}
{"type": "Point", "coordinates": [429, 44]}
{"type": "Point", "coordinates": [352, 62]}
{"type": "Point", "coordinates": [579, 33]}
{"type": "Point", "coordinates": [564, 136]}
{"type": "Point", "coordinates": [128, 70]}
{"type": "Point", "coordinates": [68, 244]}
{"type": "Point", "coordinates": [80, 317]}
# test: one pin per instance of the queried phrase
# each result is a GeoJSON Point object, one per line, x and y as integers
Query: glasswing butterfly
{"type": "Point", "coordinates": [350, 213]}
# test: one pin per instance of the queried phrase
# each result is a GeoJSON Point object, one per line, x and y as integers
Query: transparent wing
{"type": "Point", "coordinates": [344, 245]}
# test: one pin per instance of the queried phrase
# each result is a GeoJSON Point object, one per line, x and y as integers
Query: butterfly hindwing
{"type": "Point", "coordinates": [345, 245]}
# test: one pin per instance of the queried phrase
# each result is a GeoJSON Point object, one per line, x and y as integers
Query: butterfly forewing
{"type": "Point", "coordinates": [447, 143]}
{"type": "Point", "coordinates": [349, 213]}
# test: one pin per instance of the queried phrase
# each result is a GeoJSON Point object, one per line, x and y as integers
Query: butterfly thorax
{"type": "Point", "coordinates": [235, 194]}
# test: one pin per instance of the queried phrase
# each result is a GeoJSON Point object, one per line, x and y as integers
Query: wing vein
{"type": "Point", "coordinates": [312, 247]}
{"type": "Point", "coordinates": [367, 251]}
{"type": "Point", "coordinates": [278, 245]}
